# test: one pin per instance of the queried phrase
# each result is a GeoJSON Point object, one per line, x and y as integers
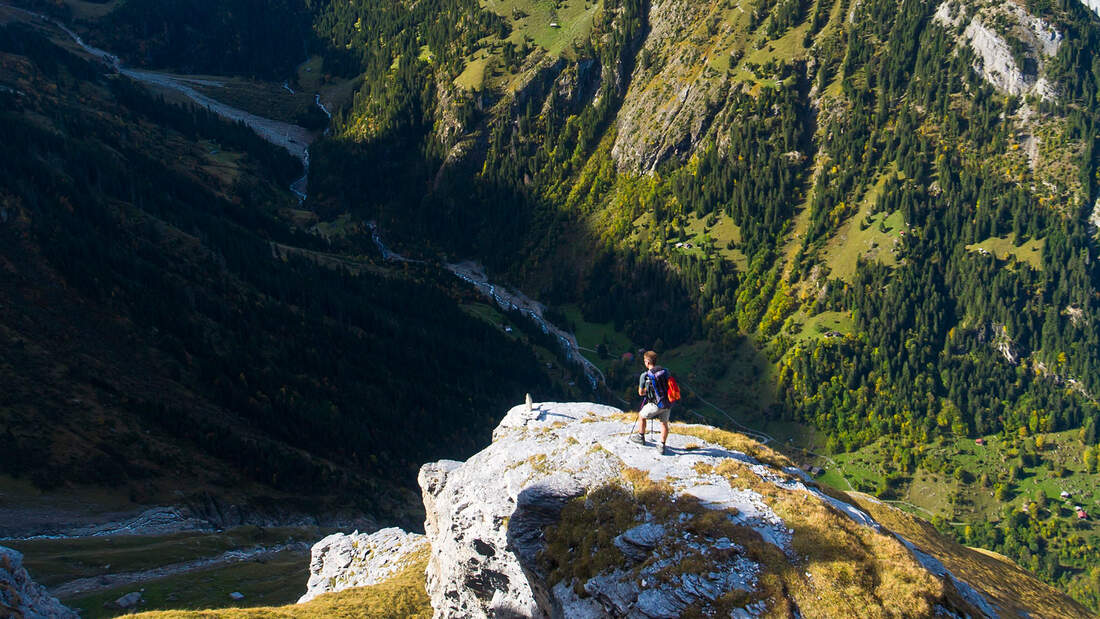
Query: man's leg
{"type": "Point", "coordinates": [664, 431]}
{"type": "Point", "coordinates": [639, 438]}
{"type": "Point", "coordinates": [647, 412]}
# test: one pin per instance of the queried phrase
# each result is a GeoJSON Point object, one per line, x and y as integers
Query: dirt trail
{"type": "Point", "coordinates": [83, 586]}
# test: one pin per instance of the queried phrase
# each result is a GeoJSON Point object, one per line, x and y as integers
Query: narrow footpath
{"type": "Point", "coordinates": [81, 586]}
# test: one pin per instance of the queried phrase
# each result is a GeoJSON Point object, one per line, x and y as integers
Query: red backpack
{"type": "Point", "coordinates": [673, 389]}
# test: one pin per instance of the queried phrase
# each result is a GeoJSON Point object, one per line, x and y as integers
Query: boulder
{"type": "Point", "coordinates": [22, 597]}
{"type": "Point", "coordinates": [342, 561]}
{"type": "Point", "coordinates": [128, 601]}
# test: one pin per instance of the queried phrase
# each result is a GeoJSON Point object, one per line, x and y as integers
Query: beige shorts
{"type": "Point", "coordinates": [650, 411]}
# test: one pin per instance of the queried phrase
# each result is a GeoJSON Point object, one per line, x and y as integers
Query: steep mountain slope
{"type": "Point", "coordinates": [921, 175]}
{"type": "Point", "coordinates": [238, 37]}
{"type": "Point", "coordinates": [884, 207]}
{"type": "Point", "coordinates": [166, 327]}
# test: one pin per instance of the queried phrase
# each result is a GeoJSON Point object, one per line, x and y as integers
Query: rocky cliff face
{"type": "Point", "coordinates": [22, 597]}
{"type": "Point", "coordinates": [561, 516]}
{"type": "Point", "coordinates": [1013, 73]}
{"type": "Point", "coordinates": [692, 58]}
{"type": "Point", "coordinates": [670, 104]}
{"type": "Point", "coordinates": [344, 561]}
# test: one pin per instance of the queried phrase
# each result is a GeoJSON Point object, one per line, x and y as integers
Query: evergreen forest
{"type": "Point", "coordinates": [883, 251]}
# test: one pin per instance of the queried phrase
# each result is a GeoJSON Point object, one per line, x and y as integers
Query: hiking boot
{"type": "Point", "coordinates": [637, 438]}
{"type": "Point", "coordinates": [661, 449]}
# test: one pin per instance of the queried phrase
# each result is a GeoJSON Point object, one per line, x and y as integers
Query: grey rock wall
{"type": "Point", "coordinates": [22, 597]}
{"type": "Point", "coordinates": [343, 561]}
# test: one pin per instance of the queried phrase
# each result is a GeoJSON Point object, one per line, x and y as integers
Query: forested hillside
{"type": "Point", "coordinates": [719, 171]}
{"type": "Point", "coordinates": [880, 213]}
{"type": "Point", "coordinates": [254, 38]}
{"type": "Point", "coordinates": [166, 326]}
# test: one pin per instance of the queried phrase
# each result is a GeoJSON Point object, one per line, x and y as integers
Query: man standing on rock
{"type": "Point", "coordinates": [653, 386]}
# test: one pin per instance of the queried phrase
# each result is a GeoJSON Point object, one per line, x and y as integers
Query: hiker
{"type": "Point", "coordinates": [658, 390]}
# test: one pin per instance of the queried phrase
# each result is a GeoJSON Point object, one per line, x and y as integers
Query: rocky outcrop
{"type": "Point", "coordinates": [1093, 5]}
{"type": "Point", "coordinates": [670, 104]}
{"type": "Point", "coordinates": [22, 597]}
{"type": "Point", "coordinates": [560, 516]}
{"type": "Point", "coordinates": [996, 335]}
{"type": "Point", "coordinates": [1036, 41]}
{"type": "Point", "coordinates": [343, 561]}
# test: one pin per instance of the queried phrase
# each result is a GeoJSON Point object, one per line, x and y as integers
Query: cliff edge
{"type": "Point", "coordinates": [562, 517]}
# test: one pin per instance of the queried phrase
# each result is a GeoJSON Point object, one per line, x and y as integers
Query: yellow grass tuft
{"type": "Point", "coordinates": [580, 545]}
{"type": "Point", "coordinates": [839, 568]}
{"type": "Point", "coordinates": [842, 568]}
{"type": "Point", "coordinates": [401, 596]}
{"type": "Point", "coordinates": [734, 442]}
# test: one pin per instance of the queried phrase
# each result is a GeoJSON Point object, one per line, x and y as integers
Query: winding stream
{"type": "Point", "coordinates": [295, 139]}
{"type": "Point", "coordinates": [511, 300]}
{"type": "Point", "coordinates": [508, 300]}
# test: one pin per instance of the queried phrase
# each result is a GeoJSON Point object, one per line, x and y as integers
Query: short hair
{"type": "Point", "coordinates": [651, 356]}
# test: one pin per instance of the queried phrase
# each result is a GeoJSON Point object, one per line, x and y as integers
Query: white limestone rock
{"type": "Point", "coordinates": [344, 561]}
{"type": "Point", "coordinates": [22, 597]}
{"type": "Point", "coordinates": [995, 61]}
{"type": "Point", "coordinates": [704, 528]}
{"type": "Point", "coordinates": [638, 543]}
{"type": "Point", "coordinates": [487, 518]}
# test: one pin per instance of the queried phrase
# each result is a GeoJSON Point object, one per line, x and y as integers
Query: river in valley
{"type": "Point", "coordinates": [297, 140]}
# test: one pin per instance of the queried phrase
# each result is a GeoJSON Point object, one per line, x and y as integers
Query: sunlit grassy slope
{"type": "Point", "coordinates": [1009, 587]}
{"type": "Point", "coordinates": [553, 29]}
{"type": "Point", "coordinates": [550, 27]}
{"type": "Point", "coordinates": [399, 597]}
{"type": "Point", "coordinates": [275, 579]}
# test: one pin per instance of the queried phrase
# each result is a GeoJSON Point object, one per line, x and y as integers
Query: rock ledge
{"type": "Point", "coordinates": [22, 597]}
{"type": "Point", "coordinates": [343, 561]}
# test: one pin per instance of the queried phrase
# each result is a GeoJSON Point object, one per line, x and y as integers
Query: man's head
{"type": "Point", "coordinates": [650, 358]}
